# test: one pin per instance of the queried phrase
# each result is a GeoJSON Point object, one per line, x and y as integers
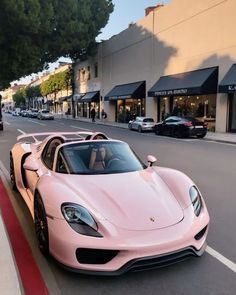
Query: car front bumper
{"type": "Point", "coordinates": [136, 250]}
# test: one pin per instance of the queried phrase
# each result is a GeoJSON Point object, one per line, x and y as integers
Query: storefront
{"type": "Point", "coordinates": [87, 102]}
{"type": "Point", "coordinates": [191, 94]}
{"type": "Point", "coordinates": [129, 100]}
{"type": "Point", "coordinates": [228, 86]}
{"type": "Point", "coordinates": [63, 104]}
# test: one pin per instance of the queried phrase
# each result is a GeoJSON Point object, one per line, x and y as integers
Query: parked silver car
{"type": "Point", "coordinates": [142, 124]}
{"type": "Point", "coordinates": [45, 115]}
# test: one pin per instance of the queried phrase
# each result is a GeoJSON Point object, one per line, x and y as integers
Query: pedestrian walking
{"type": "Point", "coordinates": [93, 114]}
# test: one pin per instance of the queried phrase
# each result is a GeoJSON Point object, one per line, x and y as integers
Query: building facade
{"type": "Point", "coordinates": [174, 60]}
{"type": "Point", "coordinates": [8, 103]}
{"type": "Point", "coordinates": [56, 102]}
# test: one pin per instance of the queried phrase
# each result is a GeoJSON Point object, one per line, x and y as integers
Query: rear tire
{"type": "Point", "coordinates": [40, 225]}
{"type": "Point", "coordinates": [130, 126]}
{"type": "Point", "coordinates": [201, 136]}
{"type": "Point", "coordinates": [140, 129]}
{"type": "Point", "coordinates": [12, 174]}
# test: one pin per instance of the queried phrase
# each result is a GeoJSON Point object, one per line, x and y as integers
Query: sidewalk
{"type": "Point", "coordinates": [9, 280]}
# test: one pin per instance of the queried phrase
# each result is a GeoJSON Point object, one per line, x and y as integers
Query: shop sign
{"type": "Point", "coordinates": [171, 92]}
{"type": "Point", "coordinates": [232, 87]}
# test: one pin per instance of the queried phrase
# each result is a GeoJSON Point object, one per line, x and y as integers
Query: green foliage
{"type": "Point", "coordinates": [25, 95]}
{"type": "Point", "coordinates": [19, 97]}
{"type": "Point", "coordinates": [34, 33]}
{"type": "Point", "coordinates": [56, 83]}
{"type": "Point", "coordinates": [32, 91]}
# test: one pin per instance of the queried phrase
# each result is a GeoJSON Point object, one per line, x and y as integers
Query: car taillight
{"type": "Point", "coordinates": [205, 124]}
{"type": "Point", "coordinates": [188, 124]}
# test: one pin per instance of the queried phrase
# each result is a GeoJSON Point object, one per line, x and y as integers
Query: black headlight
{"type": "Point", "coordinates": [80, 219]}
{"type": "Point", "coordinates": [196, 200]}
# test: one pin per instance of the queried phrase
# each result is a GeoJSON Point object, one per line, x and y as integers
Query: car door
{"type": "Point", "coordinates": [136, 124]}
{"type": "Point", "coordinates": [169, 125]}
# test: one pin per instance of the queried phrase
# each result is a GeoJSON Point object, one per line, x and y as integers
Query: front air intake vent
{"type": "Point", "coordinates": [95, 256]}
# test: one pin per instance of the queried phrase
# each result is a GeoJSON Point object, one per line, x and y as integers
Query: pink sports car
{"type": "Point", "coordinates": [97, 208]}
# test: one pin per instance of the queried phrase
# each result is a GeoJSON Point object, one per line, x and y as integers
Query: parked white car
{"type": "Point", "coordinates": [142, 124]}
{"type": "Point", "coordinates": [45, 115]}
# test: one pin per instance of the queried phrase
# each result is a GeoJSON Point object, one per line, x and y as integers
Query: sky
{"type": "Point", "coordinates": [125, 12]}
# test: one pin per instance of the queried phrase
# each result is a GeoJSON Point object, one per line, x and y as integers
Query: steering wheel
{"type": "Point", "coordinates": [114, 161]}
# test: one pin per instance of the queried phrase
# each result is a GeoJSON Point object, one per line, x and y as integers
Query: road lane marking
{"type": "Point", "coordinates": [36, 122]}
{"type": "Point", "coordinates": [80, 128]}
{"type": "Point", "coordinates": [231, 265]}
{"type": "Point", "coordinates": [22, 132]}
{"type": "Point", "coordinates": [7, 123]}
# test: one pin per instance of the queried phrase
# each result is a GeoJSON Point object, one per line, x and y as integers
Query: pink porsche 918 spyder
{"type": "Point", "coordinates": [98, 209]}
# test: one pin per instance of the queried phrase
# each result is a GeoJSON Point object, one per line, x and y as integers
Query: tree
{"type": "Point", "coordinates": [56, 83]}
{"type": "Point", "coordinates": [19, 97]}
{"type": "Point", "coordinates": [34, 33]}
{"type": "Point", "coordinates": [31, 92]}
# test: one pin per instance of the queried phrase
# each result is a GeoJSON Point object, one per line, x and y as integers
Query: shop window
{"type": "Point", "coordinates": [96, 70]}
{"type": "Point", "coordinates": [88, 73]}
{"type": "Point", "coordinates": [82, 75]}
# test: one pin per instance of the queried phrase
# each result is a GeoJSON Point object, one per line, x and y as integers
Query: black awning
{"type": "Point", "coordinates": [91, 97]}
{"type": "Point", "coordinates": [131, 90]}
{"type": "Point", "coordinates": [64, 98]}
{"type": "Point", "coordinates": [228, 84]}
{"type": "Point", "coordinates": [203, 81]}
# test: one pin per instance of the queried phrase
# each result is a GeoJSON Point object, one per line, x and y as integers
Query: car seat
{"type": "Point", "coordinates": [97, 159]}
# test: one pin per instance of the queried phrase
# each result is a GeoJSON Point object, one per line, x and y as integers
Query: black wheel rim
{"type": "Point", "coordinates": [41, 228]}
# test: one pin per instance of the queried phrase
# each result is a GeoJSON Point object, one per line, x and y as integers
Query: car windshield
{"type": "Point", "coordinates": [148, 120]}
{"type": "Point", "coordinates": [97, 157]}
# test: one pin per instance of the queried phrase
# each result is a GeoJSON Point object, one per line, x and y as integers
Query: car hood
{"type": "Point", "coordinates": [135, 201]}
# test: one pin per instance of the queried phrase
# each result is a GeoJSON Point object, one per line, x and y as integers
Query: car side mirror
{"type": "Point", "coordinates": [151, 160]}
{"type": "Point", "coordinates": [31, 166]}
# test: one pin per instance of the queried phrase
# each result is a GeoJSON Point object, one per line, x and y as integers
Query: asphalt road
{"type": "Point", "coordinates": [211, 165]}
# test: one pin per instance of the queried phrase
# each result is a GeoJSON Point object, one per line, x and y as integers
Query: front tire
{"type": "Point", "coordinates": [140, 129]}
{"type": "Point", "coordinates": [40, 225]}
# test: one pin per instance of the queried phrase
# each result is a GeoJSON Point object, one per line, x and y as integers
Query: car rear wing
{"type": "Point", "coordinates": [66, 135]}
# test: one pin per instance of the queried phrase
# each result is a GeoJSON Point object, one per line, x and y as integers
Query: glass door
{"type": "Point", "coordinates": [232, 112]}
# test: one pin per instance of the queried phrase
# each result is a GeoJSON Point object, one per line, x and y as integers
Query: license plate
{"type": "Point", "coordinates": [198, 127]}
